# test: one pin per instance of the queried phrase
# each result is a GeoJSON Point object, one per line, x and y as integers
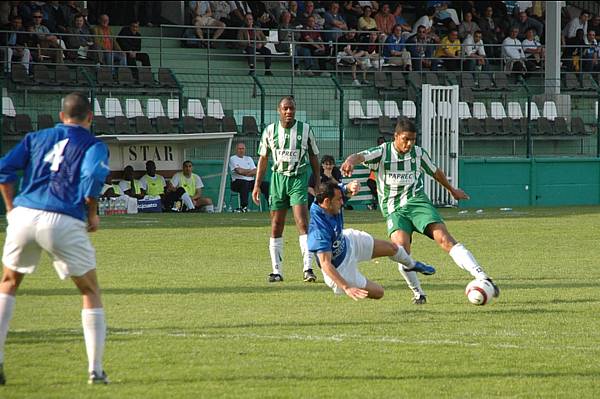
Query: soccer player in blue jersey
{"type": "Point", "coordinates": [339, 250]}
{"type": "Point", "coordinates": [64, 169]}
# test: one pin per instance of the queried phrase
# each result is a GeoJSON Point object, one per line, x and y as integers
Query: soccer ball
{"type": "Point", "coordinates": [480, 292]}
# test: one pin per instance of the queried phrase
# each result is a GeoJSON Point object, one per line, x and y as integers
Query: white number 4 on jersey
{"type": "Point", "coordinates": [55, 155]}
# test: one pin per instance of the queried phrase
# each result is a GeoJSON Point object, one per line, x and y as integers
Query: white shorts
{"type": "Point", "coordinates": [360, 249]}
{"type": "Point", "coordinates": [64, 237]}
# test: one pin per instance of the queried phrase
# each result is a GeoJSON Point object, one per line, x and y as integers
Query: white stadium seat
{"type": "Point", "coordinates": [112, 107]}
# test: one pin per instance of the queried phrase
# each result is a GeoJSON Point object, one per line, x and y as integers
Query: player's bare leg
{"type": "Point", "coordinates": [276, 244]}
{"type": "Point", "coordinates": [11, 280]}
{"type": "Point", "coordinates": [402, 239]}
{"type": "Point", "coordinates": [301, 218]}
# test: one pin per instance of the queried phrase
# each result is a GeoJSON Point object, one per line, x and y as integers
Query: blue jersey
{"type": "Point", "coordinates": [61, 167]}
{"type": "Point", "coordinates": [325, 234]}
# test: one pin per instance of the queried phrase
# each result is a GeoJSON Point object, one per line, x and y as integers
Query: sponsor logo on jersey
{"type": "Point", "coordinates": [288, 155]}
{"type": "Point", "coordinates": [400, 178]}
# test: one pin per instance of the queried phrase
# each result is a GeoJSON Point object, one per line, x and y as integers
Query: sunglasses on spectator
{"type": "Point", "coordinates": [37, 16]}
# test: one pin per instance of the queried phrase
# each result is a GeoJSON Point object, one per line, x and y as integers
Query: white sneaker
{"type": "Point", "coordinates": [355, 82]}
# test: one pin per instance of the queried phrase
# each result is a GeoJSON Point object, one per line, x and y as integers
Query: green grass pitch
{"type": "Point", "coordinates": [190, 315]}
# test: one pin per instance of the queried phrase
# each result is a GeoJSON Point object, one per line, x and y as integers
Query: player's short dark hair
{"type": "Point", "coordinates": [405, 125]}
{"type": "Point", "coordinates": [286, 98]}
{"type": "Point", "coordinates": [326, 190]}
{"type": "Point", "coordinates": [76, 106]}
{"type": "Point", "coordinates": [327, 159]}
{"type": "Point", "coordinates": [186, 162]}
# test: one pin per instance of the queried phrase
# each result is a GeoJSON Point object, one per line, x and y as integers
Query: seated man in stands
{"type": "Point", "coordinates": [395, 51]}
{"type": "Point", "coordinates": [243, 170]}
{"type": "Point", "coordinates": [81, 41]}
{"type": "Point", "coordinates": [448, 54]}
{"type": "Point", "coordinates": [111, 51]}
{"type": "Point", "coordinates": [512, 52]}
{"type": "Point", "coordinates": [153, 185]}
{"type": "Point", "coordinates": [50, 45]}
{"type": "Point", "coordinates": [188, 188]}
{"type": "Point", "coordinates": [130, 42]}
{"type": "Point", "coordinates": [534, 51]}
{"type": "Point", "coordinates": [250, 39]}
{"type": "Point", "coordinates": [15, 42]}
{"type": "Point", "coordinates": [349, 51]}
{"type": "Point", "coordinates": [130, 186]}
{"type": "Point", "coordinates": [474, 53]}
{"type": "Point", "coordinates": [421, 49]}
{"type": "Point", "coordinates": [311, 39]}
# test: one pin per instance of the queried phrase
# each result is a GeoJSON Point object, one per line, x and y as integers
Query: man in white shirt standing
{"type": "Point", "coordinates": [575, 24]}
{"type": "Point", "coordinates": [243, 170]}
{"type": "Point", "coordinates": [512, 51]}
{"type": "Point", "coordinates": [474, 53]}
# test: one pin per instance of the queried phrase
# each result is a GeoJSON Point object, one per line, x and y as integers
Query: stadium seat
{"type": "Point", "coordinates": [509, 126]}
{"type": "Point", "coordinates": [390, 109]}
{"type": "Point", "coordinates": [101, 125]}
{"type": "Point", "coordinates": [164, 125]}
{"type": "Point", "coordinates": [501, 81]}
{"type": "Point", "coordinates": [386, 125]}
{"type": "Point", "coordinates": [578, 126]}
{"type": "Point", "coordinates": [560, 126]}
{"type": "Point", "coordinates": [173, 108]}
{"type": "Point", "coordinates": [112, 107]}
{"type": "Point", "coordinates": [41, 75]}
{"type": "Point", "coordinates": [125, 77]}
{"type": "Point", "coordinates": [397, 80]}
{"type": "Point", "coordinates": [588, 82]}
{"type": "Point", "coordinates": [44, 121]}
{"type": "Point", "coordinates": [229, 124]}
{"type": "Point", "coordinates": [8, 107]}
{"type": "Point", "coordinates": [133, 108]}
{"type": "Point", "coordinates": [166, 78]}
{"type": "Point", "coordinates": [382, 80]}
{"type": "Point", "coordinates": [143, 125]}
{"type": "Point", "coordinates": [62, 76]}
{"type": "Point", "coordinates": [463, 110]}
{"type": "Point", "coordinates": [497, 110]}
{"type": "Point", "coordinates": [431, 78]}
{"type": "Point", "coordinates": [415, 78]}
{"type": "Point", "coordinates": [104, 77]}
{"type": "Point", "coordinates": [491, 126]}
{"type": "Point", "coordinates": [514, 110]}
{"type": "Point", "coordinates": [474, 126]}
{"type": "Point", "coordinates": [210, 125]}
{"type": "Point", "coordinates": [215, 109]}
{"type": "Point", "coordinates": [466, 94]}
{"type": "Point", "coordinates": [479, 110]}
{"type": "Point", "coordinates": [19, 74]}
{"type": "Point", "coordinates": [145, 77]}
{"type": "Point", "coordinates": [467, 81]}
{"type": "Point", "coordinates": [85, 75]}
{"type": "Point", "coordinates": [409, 109]}
{"type": "Point", "coordinates": [570, 81]}
{"type": "Point", "coordinates": [122, 125]}
{"type": "Point", "coordinates": [191, 125]}
{"type": "Point", "coordinates": [550, 111]}
{"type": "Point", "coordinates": [535, 112]}
{"type": "Point", "coordinates": [23, 124]}
{"type": "Point", "coordinates": [484, 81]}
{"type": "Point", "coordinates": [543, 126]}
{"type": "Point", "coordinates": [249, 125]}
{"type": "Point", "coordinates": [373, 109]}
{"type": "Point", "coordinates": [355, 111]}
{"type": "Point", "coordinates": [195, 109]}
{"type": "Point", "coordinates": [154, 108]}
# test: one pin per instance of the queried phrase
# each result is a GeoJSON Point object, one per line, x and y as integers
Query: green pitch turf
{"type": "Point", "coordinates": [190, 315]}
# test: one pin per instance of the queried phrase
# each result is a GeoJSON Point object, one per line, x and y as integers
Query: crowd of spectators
{"type": "Point", "coordinates": [431, 35]}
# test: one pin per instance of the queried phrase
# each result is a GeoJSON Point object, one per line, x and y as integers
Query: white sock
{"type": "Point", "coordinates": [187, 200]}
{"type": "Point", "coordinates": [411, 280]}
{"type": "Point", "coordinates": [7, 305]}
{"type": "Point", "coordinates": [94, 333]}
{"type": "Point", "coordinates": [307, 256]}
{"type": "Point", "coordinates": [466, 261]}
{"type": "Point", "coordinates": [276, 251]}
{"type": "Point", "coordinates": [403, 257]}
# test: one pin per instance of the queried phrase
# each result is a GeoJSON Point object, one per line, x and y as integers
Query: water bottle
{"type": "Point", "coordinates": [100, 207]}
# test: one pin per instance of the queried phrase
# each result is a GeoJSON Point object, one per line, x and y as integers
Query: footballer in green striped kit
{"type": "Point", "coordinates": [399, 168]}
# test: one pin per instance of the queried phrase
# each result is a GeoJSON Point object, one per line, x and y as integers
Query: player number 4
{"type": "Point", "coordinates": [55, 155]}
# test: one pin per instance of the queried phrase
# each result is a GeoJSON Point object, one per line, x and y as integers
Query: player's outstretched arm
{"type": "Point", "coordinates": [457, 193]}
{"type": "Point", "coordinates": [261, 169]}
{"type": "Point", "coordinates": [348, 166]}
{"type": "Point", "coordinates": [330, 270]}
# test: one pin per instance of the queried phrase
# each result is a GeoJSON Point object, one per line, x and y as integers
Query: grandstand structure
{"type": "Point", "coordinates": [504, 118]}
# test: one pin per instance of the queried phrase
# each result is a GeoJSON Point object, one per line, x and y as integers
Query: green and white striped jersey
{"type": "Point", "coordinates": [289, 147]}
{"type": "Point", "coordinates": [399, 176]}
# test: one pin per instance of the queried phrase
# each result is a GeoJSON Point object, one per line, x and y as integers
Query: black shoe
{"type": "Point", "coordinates": [268, 73]}
{"type": "Point", "coordinates": [496, 289]}
{"type": "Point", "coordinates": [274, 278]}
{"type": "Point", "coordinates": [97, 378]}
{"type": "Point", "coordinates": [2, 377]}
{"type": "Point", "coordinates": [309, 276]}
{"type": "Point", "coordinates": [419, 300]}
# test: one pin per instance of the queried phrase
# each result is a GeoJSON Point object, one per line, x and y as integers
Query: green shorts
{"type": "Point", "coordinates": [286, 191]}
{"type": "Point", "coordinates": [416, 215]}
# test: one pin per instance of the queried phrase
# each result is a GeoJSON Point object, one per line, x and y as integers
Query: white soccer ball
{"type": "Point", "coordinates": [480, 292]}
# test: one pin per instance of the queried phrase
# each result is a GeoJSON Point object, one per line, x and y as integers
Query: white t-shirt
{"type": "Point", "coordinates": [425, 21]}
{"type": "Point", "coordinates": [245, 163]}
{"type": "Point", "coordinates": [512, 49]}
{"type": "Point", "coordinates": [470, 47]}
{"type": "Point", "coordinates": [533, 44]}
{"type": "Point", "coordinates": [175, 180]}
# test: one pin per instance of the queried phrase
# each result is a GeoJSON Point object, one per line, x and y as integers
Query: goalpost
{"type": "Point", "coordinates": [439, 127]}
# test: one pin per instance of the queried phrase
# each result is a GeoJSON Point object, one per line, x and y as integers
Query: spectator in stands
{"type": "Point", "coordinates": [372, 182]}
{"type": "Point", "coordinates": [468, 27]}
{"type": "Point", "coordinates": [512, 52]}
{"type": "Point", "coordinates": [366, 21]}
{"type": "Point", "coordinates": [447, 16]}
{"type": "Point", "coordinates": [50, 45]}
{"type": "Point", "coordinates": [400, 20]}
{"type": "Point", "coordinates": [262, 17]}
{"type": "Point", "coordinates": [55, 18]}
{"type": "Point", "coordinates": [492, 31]}
{"type": "Point", "coordinates": [334, 21]}
{"type": "Point", "coordinates": [130, 41]}
{"type": "Point", "coordinates": [203, 19]}
{"type": "Point", "coordinates": [575, 24]}
{"type": "Point", "coordinates": [533, 49]}
{"type": "Point", "coordinates": [386, 22]}
{"type": "Point", "coordinates": [71, 9]}
{"type": "Point", "coordinates": [293, 10]}
{"type": "Point", "coordinates": [371, 57]}
{"type": "Point", "coordinates": [82, 41]}
{"type": "Point", "coordinates": [329, 172]}
{"type": "Point", "coordinates": [394, 50]}
{"type": "Point", "coordinates": [16, 43]}
{"type": "Point", "coordinates": [105, 41]}
{"type": "Point", "coordinates": [130, 186]}
{"type": "Point", "coordinates": [351, 12]}
{"type": "Point", "coordinates": [589, 55]}
{"type": "Point", "coordinates": [421, 49]}
{"type": "Point", "coordinates": [474, 53]}
{"type": "Point", "coordinates": [312, 40]}
{"type": "Point", "coordinates": [525, 23]}
{"type": "Point", "coordinates": [448, 54]}
{"type": "Point", "coordinates": [243, 170]}
{"type": "Point", "coordinates": [188, 187]}
{"type": "Point", "coordinates": [426, 21]}
{"type": "Point", "coordinates": [349, 52]}
{"type": "Point", "coordinates": [153, 184]}
{"type": "Point", "coordinates": [284, 34]}
{"type": "Point", "coordinates": [253, 41]}
{"type": "Point", "coordinates": [594, 24]}
{"type": "Point", "coordinates": [309, 11]}
{"type": "Point", "coordinates": [575, 47]}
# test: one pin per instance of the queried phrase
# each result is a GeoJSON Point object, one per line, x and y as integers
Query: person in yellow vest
{"type": "Point", "coordinates": [189, 186]}
{"type": "Point", "coordinates": [152, 184]}
{"type": "Point", "coordinates": [129, 185]}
